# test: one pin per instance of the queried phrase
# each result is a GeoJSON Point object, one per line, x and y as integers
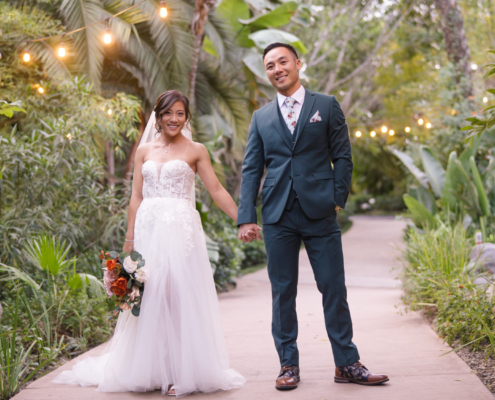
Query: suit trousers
{"type": "Point", "coordinates": [322, 239]}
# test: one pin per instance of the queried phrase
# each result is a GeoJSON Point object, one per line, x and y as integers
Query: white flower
{"type": "Point", "coordinates": [141, 274]}
{"type": "Point", "coordinates": [135, 293]}
{"type": "Point", "coordinates": [129, 265]}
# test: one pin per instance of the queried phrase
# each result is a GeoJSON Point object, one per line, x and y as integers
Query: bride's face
{"type": "Point", "coordinates": [174, 119]}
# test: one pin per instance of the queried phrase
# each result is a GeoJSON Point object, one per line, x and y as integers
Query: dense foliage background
{"type": "Point", "coordinates": [69, 128]}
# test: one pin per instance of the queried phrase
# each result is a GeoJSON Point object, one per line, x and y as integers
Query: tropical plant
{"type": "Point", "coordinates": [454, 190]}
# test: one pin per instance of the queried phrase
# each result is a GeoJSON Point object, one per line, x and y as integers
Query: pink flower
{"type": "Point", "coordinates": [109, 277]}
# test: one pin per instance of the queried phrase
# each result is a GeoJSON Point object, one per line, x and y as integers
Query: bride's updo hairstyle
{"type": "Point", "coordinates": [165, 101]}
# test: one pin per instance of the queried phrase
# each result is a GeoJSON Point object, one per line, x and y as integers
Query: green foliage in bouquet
{"type": "Point", "coordinates": [124, 278]}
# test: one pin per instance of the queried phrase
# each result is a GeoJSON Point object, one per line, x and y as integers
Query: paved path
{"type": "Point", "coordinates": [402, 346]}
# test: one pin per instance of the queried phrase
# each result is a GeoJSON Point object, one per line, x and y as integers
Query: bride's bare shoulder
{"type": "Point", "coordinates": [198, 149]}
{"type": "Point", "coordinates": [142, 150]}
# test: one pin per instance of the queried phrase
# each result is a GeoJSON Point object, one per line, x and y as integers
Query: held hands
{"type": "Point", "coordinates": [249, 232]}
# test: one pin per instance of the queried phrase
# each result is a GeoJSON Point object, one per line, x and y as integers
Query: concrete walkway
{"type": "Point", "coordinates": [402, 346]}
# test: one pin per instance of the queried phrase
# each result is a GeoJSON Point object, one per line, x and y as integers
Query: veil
{"type": "Point", "coordinates": [151, 133]}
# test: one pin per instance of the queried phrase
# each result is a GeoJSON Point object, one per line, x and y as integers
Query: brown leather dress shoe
{"type": "Point", "coordinates": [288, 378]}
{"type": "Point", "coordinates": [358, 373]}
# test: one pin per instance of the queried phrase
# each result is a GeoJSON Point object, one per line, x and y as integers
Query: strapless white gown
{"type": "Point", "coordinates": [177, 339]}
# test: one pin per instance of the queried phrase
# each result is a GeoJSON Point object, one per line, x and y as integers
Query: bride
{"type": "Point", "coordinates": [176, 344]}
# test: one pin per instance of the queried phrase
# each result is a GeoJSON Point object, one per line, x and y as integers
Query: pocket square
{"type": "Point", "coordinates": [315, 118]}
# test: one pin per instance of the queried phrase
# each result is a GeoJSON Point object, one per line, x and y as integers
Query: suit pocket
{"type": "Point", "coordinates": [269, 182]}
{"type": "Point", "coordinates": [323, 175]}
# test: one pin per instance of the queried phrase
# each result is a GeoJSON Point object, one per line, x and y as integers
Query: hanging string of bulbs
{"type": "Point", "coordinates": [107, 35]}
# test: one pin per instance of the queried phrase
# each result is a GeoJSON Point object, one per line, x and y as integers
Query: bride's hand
{"type": "Point", "coordinates": [128, 246]}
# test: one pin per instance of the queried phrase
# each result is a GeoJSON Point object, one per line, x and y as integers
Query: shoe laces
{"type": "Point", "coordinates": [358, 364]}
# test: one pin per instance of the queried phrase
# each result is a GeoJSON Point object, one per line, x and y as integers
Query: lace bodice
{"type": "Point", "coordinates": [173, 179]}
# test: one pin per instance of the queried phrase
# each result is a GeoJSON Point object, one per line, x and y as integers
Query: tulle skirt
{"type": "Point", "coordinates": [177, 339]}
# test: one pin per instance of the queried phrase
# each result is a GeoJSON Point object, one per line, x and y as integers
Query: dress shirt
{"type": "Point", "coordinates": [298, 96]}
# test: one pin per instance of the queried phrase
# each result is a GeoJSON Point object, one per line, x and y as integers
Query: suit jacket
{"type": "Point", "coordinates": [302, 162]}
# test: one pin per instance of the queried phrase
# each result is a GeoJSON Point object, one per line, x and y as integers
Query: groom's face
{"type": "Point", "coordinates": [282, 68]}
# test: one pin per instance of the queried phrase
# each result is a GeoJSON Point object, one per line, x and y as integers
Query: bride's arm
{"type": "Point", "coordinates": [214, 187]}
{"type": "Point", "coordinates": [136, 198]}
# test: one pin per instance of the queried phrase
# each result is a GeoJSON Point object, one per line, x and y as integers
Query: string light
{"type": "Point", "coordinates": [109, 112]}
{"type": "Point", "coordinates": [391, 132]}
{"type": "Point", "coordinates": [408, 129]}
{"type": "Point", "coordinates": [358, 134]}
{"type": "Point", "coordinates": [41, 90]}
{"type": "Point", "coordinates": [372, 133]}
{"type": "Point", "coordinates": [428, 125]}
{"type": "Point", "coordinates": [163, 10]}
{"type": "Point", "coordinates": [474, 66]}
{"type": "Point", "coordinates": [26, 57]}
{"type": "Point", "coordinates": [61, 50]}
{"type": "Point", "coordinates": [384, 129]}
{"type": "Point", "coordinates": [107, 36]}
{"type": "Point", "coordinates": [485, 99]}
{"type": "Point", "coordinates": [421, 121]}
{"type": "Point", "coordinates": [69, 136]}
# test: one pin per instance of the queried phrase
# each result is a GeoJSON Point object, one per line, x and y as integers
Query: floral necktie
{"type": "Point", "coordinates": [290, 120]}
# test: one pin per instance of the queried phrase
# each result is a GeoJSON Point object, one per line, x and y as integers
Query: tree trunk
{"type": "Point", "coordinates": [110, 163]}
{"type": "Point", "coordinates": [130, 160]}
{"type": "Point", "coordinates": [456, 44]}
{"type": "Point", "coordinates": [197, 29]}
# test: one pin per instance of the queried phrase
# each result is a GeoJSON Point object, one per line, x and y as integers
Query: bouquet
{"type": "Point", "coordinates": [124, 277]}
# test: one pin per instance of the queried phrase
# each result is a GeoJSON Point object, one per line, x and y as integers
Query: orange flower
{"type": "Point", "coordinates": [460, 286]}
{"type": "Point", "coordinates": [119, 287]}
{"type": "Point", "coordinates": [102, 255]}
{"type": "Point", "coordinates": [111, 264]}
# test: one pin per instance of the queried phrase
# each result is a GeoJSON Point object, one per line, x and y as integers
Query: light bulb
{"type": "Point", "coordinates": [61, 50]}
{"type": "Point", "coordinates": [358, 134]}
{"type": "Point", "coordinates": [40, 89]}
{"type": "Point", "coordinates": [421, 121]}
{"type": "Point", "coordinates": [107, 37]}
{"type": "Point", "coordinates": [26, 57]}
{"type": "Point", "coordinates": [384, 129]}
{"type": "Point", "coordinates": [69, 136]}
{"type": "Point", "coordinates": [163, 10]}
{"type": "Point", "coordinates": [474, 66]}
{"type": "Point", "coordinates": [428, 125]}
{"type": "Point", "coordinates": [372, 133]}
{"type": "Point", "coordinates": [485, 99]}
{"type": "Point", "coordinates": [408, 129]}
{"type": "Point", "coordinates": [391, 132]}
{"type": "Point", "coordinates": [109, 112]}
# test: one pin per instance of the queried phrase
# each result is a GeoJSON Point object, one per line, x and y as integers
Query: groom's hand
{"type": "Point", "coordinates": [249, 232]}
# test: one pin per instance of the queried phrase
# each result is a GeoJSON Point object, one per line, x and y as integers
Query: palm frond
{"type": "Point", "coordinates": [172, 40]}
{"type": "Point", "coordinates": [88, 46]}
{"type": "Point", "coordinates": [216, 91]}
{"type": "Point", "coordinates": [221, 35]}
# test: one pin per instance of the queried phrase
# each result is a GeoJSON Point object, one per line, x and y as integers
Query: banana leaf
{"type": "Point", "coordinates": [426, 198]}
{"type": "Point", "coordinates": [482, 198]}
{"type": "Point", "coordinates": [434, 170]}
{"type": "Point", "coordinates": [409, 163]}
{"type": "Point", "coordinates": [451, 184]}
{"type": "Point", "coordinates": [420, 215]}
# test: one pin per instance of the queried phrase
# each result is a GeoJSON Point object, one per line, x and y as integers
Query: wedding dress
{"type": "Point", "coordinates": [177, 339]}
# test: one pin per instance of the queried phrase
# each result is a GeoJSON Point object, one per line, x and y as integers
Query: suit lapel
{"type": "Point", "coordinates": [307, 109]}
{"type": "Point", "coordinates": [276, 123]}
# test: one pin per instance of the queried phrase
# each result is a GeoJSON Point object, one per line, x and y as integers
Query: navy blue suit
{"type": "Point", "coordinates": [300, 193]}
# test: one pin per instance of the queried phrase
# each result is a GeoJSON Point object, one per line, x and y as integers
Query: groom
{"type": "Point", "coordinates": [298, 137]}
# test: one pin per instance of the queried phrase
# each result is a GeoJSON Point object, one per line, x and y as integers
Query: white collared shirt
{"type": "Point", "coordinates": [298, 96]}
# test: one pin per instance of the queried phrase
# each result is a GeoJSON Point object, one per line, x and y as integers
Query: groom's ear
{"type": "Point", "coordinates": [298, 64]}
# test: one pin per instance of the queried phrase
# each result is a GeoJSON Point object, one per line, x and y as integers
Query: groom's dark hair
{"type": "Point", "coordinates": [278, 44]}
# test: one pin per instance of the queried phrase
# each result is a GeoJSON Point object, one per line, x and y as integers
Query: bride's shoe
{"type": "Point", "coordinates": [171, 391]}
